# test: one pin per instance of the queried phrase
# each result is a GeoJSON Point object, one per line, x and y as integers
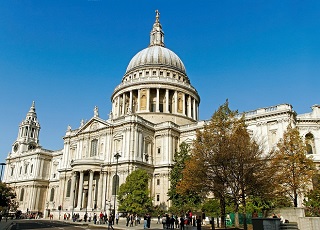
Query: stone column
{"type": "Point", "coordinates": [118, 109]}
{"type": "Point", "coordinates": [80, 190]}
{"type": "Point", "coordinates": [195, 110]}
{"type": "Point", "coordinates": [138, 109]}
{"type": "Point", "coordinates": [157, 101]}
{"type": "Point", "coordinates": [148, 100]}
{"type": "Point", "coordinates": [184, 104]}
{"type": "Point", "coordinates": [73, 184]}
{"type": "Point", "coordinates": [90, 190]}
{"type": "Point", "coordinates": [33, 197]}
{"type": "Point", "coordinates": [175, 102]}
{"type": "Point", "coordinates": [189, 106]}
{"type": "Point", "coordinates": [124, 104]}
{"type": "Point", "coordinates": [167, 101]}
{"type": "Point", "coordinates": [130, 102]}
{"type": "Point", "coordinates": [99, 191]}
{"type": "Point", "coordinates": [37, 200]}
{"type": "Point", "coordinates": [104, 190]}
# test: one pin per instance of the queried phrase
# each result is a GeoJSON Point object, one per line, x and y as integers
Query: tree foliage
{"type": "Point", "coordinates": [134, 195]}
{"type": "Point", "coordinates": [295, 169]}
{"type": "Point", "coordinates": [312, 202]}
{"type": "Point", "coordinates": [188, 200]}
{"type": "Point", "coordinates": [227, 162]}
{"type": "Point", "coordinates": [7, 195]}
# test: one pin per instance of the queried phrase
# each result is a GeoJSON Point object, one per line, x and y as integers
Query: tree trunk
{"type": "Point", "coordinates": [236, 219]}
{"type": "Point", "coordinates": [223, 212]}
{"type": "Point", "coordinates": [244, 204]}
{"type": "Point", "coordinates": [295, 201]}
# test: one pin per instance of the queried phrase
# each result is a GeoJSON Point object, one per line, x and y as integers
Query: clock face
{"type": "Point", "coordinates": [16, 147]}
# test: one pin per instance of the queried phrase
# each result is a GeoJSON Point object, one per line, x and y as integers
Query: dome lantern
{"type": "Point", "coordinates": [156, 34]}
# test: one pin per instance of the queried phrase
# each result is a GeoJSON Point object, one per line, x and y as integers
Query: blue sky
{"type": "Point", "coordinates": [68, 56]}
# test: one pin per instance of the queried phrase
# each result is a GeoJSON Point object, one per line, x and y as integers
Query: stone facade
{"type": "Point", "coordinates": [154, 109]}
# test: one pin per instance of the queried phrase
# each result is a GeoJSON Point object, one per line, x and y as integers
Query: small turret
{"type": "Point", "coordinates": [28, 135]}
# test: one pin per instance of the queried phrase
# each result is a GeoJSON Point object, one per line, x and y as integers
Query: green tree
{"type": "Point", "coordinates": [7, 196]}
{"type": "Point", "coordinates": [190, 199]}
{"type": "Point", "coordinates": [295, 169]}
{"type": "Point", "coordinates": [227, 162]}
{"type": "Point", "coordinates": [312, 203]}
{"type": "Point", "coordinates": [134, 195]}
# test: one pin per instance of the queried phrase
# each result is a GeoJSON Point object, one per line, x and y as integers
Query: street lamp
{"type": "Point", "coordinates": [117, 156]}
{"type": "Point", "coordinates": [2, 164]}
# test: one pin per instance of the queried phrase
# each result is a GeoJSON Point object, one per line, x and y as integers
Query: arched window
{"type": "Point", "coordinates": [68, 188]}
{"type": "Point", "coordinates": [52, 194]}
{"type": "Point", "coordinates": [26, 169]}
{"type": "Point", "coordinates": [115, 184]}
{"type": "Point", "coordinates": [20, 170]}
{"type": "Point", "coordinates": [22, 194]}
{"type": "Point", "coordinates": [310, 143]}
{"type": "Point", "coordinates": [94, 148]}
{"type": "Point", "coordinates": [31, 169]}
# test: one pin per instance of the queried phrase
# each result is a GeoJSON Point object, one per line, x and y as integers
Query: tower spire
{"type": "Point", "coordinates": [28, 136]}
{"type": "Point", "coordinates": [157, 34]}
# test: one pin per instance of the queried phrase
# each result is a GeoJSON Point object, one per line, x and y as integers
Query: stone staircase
{"type": "Point", "coordinates": [289, 226]}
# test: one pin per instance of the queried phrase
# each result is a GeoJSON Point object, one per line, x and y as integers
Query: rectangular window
{"type": "Point", "coordinates": [154, 73]}
{"type": "Point", "coordinates": [94, 147]}
{"type": "Point", "coordinates": [158, 181]}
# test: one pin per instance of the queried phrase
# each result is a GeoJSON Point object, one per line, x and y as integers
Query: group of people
{"type": "Point", "coordinates": [132, 220]}
{"type": "Point", "coordinates": [174, 221]}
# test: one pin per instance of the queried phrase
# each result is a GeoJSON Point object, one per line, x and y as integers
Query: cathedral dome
{"type": "Point", "coordinates": [156, 55]}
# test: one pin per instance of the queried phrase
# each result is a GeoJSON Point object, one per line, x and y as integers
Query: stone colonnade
{"type": "Point", "coordinates": [88, 190]}
{"type": "Point", "coordinates": [155, 100]}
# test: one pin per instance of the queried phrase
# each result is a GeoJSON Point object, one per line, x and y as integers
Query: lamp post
{"type": "Point", "coordinates": [117, 156]}
{"type": "Point", "coordinates": [2, 164]}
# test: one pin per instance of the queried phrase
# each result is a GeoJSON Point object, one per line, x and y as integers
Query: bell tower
{"type": "Point", "coordinates": [28, 135]}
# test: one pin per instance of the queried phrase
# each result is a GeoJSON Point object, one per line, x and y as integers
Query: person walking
{"type": "Point", "coordinates": [181, 223]}
{"type": "Point", "coordinates": [148, 220]}
{"type": "Point", "coordinates": [117, 218]}
{"type": "Point", "coordinates": [95, 218]}
{"type": "Point", "coordinates": [128, 219]}
{"type": "Point", "coordinates": [110, 220]}
{"type": "Point", "coordinates": [145, 221]}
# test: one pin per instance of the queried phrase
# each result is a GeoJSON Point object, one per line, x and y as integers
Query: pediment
{"type": "Point", "coordinates": [93, 125]}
